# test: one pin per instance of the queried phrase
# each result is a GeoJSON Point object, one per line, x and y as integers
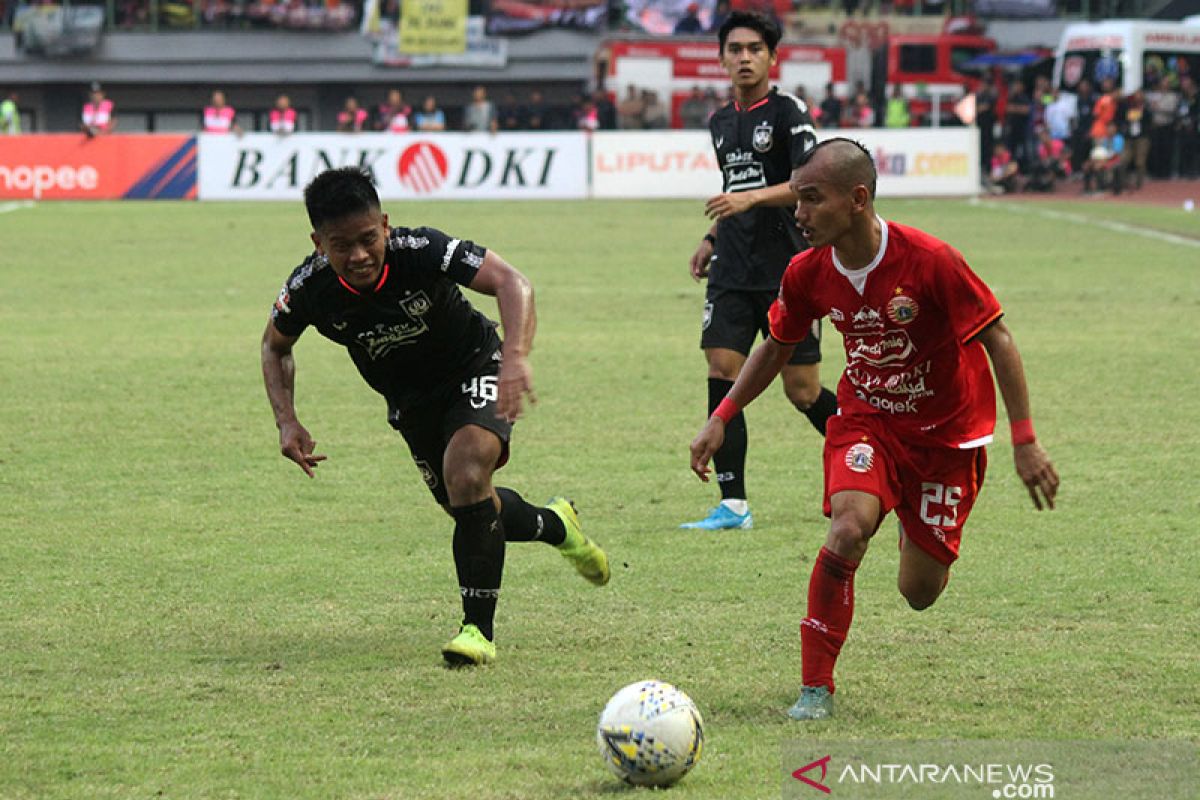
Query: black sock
{"type": "Point", "coordinates": [524, 522]}
{"type": "Point", "coordinates": [479, 561]}
{"type": "Point", "coordinates": [822, 409]}
{"type": "Point", "coordinates": [730, 461]}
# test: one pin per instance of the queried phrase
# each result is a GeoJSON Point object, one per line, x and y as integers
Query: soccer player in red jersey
{"type": "Point", "coordinates": [916, 401]}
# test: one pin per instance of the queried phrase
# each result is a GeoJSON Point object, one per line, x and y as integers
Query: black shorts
{"type": "Point", "coordinates": [733, 319]}
{"type": "Point", "coordinates": [428, 425]}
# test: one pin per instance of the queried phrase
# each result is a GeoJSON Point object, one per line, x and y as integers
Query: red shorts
{"type": "Point", "coordinates": [932, 489]}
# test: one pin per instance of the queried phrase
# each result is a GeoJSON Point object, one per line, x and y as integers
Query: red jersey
{"type": "Point", "coordinates": [908, 320]}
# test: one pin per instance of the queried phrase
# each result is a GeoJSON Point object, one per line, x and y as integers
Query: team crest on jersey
{"type": "Point", "coordinates": [708, 309]}
{"type": "Point", "coordinates": [763, 138]}
{"type": "Point", "coordinates": [416, 305]}
{"type": "Point", "coordinates": [860, 457]}
{"type": "Point", "coordinates": [902, 309]}
{"type": "Point", "coordinates": [281, 302]}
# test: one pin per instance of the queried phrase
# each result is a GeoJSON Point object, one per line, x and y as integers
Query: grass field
{"type": "Point", "coordinates": [184, 615]}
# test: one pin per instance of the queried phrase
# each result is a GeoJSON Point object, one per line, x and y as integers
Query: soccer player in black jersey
{"type": "Point", "coordinates": [391, 297]}
{"type": "Point", "coordinates": [758, 139]}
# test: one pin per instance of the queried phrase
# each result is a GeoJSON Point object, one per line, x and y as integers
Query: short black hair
{"type": "Point", "coordinates": [767, 28]}
{"type": "Point", "coordinates": [339, 193]}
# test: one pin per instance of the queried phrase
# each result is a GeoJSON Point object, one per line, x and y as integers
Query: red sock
{"type": "Point", "coordinates": [830, 609]}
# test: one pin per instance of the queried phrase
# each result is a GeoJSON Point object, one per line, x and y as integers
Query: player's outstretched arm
{"type": "Point", "coordinates": [727, 204]}
{"type": "Point", "coordinates": [279, 375]}
{"type": "Point", "coordinates": [518, 316]}
{"type": "Point", "coordinates": [757, 373]}
{"type": "Point", "coordinates": [1033, 464]}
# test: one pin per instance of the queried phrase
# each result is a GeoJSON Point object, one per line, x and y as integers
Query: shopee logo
{"type": "Point", "coordinates": [38, 178]}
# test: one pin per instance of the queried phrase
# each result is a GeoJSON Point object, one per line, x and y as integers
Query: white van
{"type": "Point", "coordinates": [1133, 53]}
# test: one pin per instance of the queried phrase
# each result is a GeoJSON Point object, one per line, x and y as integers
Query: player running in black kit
{"type": "Point", "coordinates": [391, 297]}
{"type": "Point", "coordinates": [758, 139]}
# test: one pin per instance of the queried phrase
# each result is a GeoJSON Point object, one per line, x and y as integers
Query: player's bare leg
{"type": "Point", "coordinates": [729, 463]}
{"type": "Point", "coordinates": [470, 458]}
{"type": "Point", "coordinates": [855, 518]}
{"type": "Point", "coordinates": [922, 577]}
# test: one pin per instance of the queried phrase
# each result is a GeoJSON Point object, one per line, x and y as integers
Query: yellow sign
{"type": "Point", "coordinates": [433, 26]}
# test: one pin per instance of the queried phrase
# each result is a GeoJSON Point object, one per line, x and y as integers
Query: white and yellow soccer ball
{"type": "Point", "coordinates": [650, 734]}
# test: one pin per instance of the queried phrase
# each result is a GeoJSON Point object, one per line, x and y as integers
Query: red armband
{"type": "Point", "coordinates": [1022, 432]}
{"type": "Point", "coordinates": [727, 410]}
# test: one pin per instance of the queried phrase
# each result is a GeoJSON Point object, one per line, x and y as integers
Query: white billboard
{"type": "Point", "coordinates": [912, 162]}
{"type": "Point", "coordinates": [410, 166]}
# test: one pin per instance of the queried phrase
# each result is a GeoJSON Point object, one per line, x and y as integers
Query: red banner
{"type": "Point", "coordinates": [62, 166]}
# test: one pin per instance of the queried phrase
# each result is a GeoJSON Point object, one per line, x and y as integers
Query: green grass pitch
{"type": "Point", "coordinates": [184, 615]}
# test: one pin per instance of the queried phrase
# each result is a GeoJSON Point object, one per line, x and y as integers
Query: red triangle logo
{"type": "Point", "coordinates": [823, 763]}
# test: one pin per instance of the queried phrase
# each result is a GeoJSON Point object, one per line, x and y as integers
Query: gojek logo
{"type": "Point", "coordinates": [823, 763]}
{"type": "Point", "coordinates": [423, 167]}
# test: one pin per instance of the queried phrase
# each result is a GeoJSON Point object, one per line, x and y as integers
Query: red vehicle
{"type": "Point", "coordinates": [926, 67]}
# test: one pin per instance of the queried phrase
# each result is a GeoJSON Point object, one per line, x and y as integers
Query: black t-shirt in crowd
{"type": "Point", "coordinates": [757, 147]}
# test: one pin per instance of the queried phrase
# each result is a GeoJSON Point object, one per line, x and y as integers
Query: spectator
{"type": "Point", "coordinates": [1137, 140]}
{"type": "Point", "coordinates": [693, 111]}
{"type": "Point", "coordinates": [831, 109]}
{"type": "Point", "coordinates": [985, 118]}
{"type": "Point", "coordinates": [655, 115]}
{"type": "Point", "coordinates": [510, 113]}
{"type": "Point", "coordinates": [1103, 167]}
{"type": "Point", "coordinates": [219, 116]}
{"type": "Point", "coordinates": [99, 114]}
{"type": "Point", "coordinates": [351, 119]}
{"type": "Point", "coordinates": [537, 114]}
{"type": "Point", "coordinates": [606, 112]}
{"type": "Point", "coordinates": [1060, 115]}
{"type": "Point", "coordinates": [860, 114]}
{"type": "Point", "coordinates": [897, 115]}
{"type": "Point", "coordinates": [1104, 111]}
{"type": "Point", "coordinates": [283, 116]}
{"type": "Point", "coordinates": [430, 117]}
{"type": "Point", "coordinates": [630, 111]}
{"type": "Point", "coordinates": [690, 22]}
{"type": "Point", "coordinates": [393, 115]}
{"type": "Point", "coordinates": [480, 114]}
{"type": "Point", "coordinates": [587, 118]}
{"type": "Point", "coordinates": [1005, 172]}
{"type": "Point", "coordinates": [1016, 122]}
{"type": "Point", "coordinates": [1187, 130]}
{"type": "Point", "coordinates": [719, 15]}
{"type": "Point", "coordinates": [1053, 162]}
{"type": "Point", "coordinates": [1163, 104]}
{"type": "Point", "coordinates": [1081, 131]}
{"type": "Point", "coordinates": [10, 115]}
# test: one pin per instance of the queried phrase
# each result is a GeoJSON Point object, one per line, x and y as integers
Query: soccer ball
{"type": "Point", "coordinates": [650, 734]}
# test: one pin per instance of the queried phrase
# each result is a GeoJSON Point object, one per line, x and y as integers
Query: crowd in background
{"type": "Point", "coordinates": [1099, 137]}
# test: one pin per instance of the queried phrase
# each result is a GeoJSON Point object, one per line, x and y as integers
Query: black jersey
{"type": "Point", "coordinates": [415, 332]}
{"type": "Point", "coordinates": [758, 147]}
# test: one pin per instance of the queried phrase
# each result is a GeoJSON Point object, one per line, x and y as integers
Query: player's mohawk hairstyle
{"type": "Point", "coordinates": [767, 28]}
{"type": "Point", "coordinates": [339, 193]}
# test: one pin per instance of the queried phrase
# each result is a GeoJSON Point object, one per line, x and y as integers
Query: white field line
{"type": "Point", "coordinates": [16, 205]}
{"type": "Point", "coordinates": [1037, 210]}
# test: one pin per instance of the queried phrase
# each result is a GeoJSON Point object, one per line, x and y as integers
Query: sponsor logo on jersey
{"type": "Point", "coordinates": [741, 177]}
{"type": "Point", "coordinates": [281, 302]}
{"type": "Point", "coordinates": [860, 457]}
{"type": "Point", "coordinates": [867, 317]}
{"type": "Point", "coordinates": [836, 315]}
{"type": "Point", "coordinates": [763, 138]}
{"type": "Point", "coordinates": [717, 142]}
{"type": "Point", "coordinates": [879, 349]}
{"type": "Point", "coordinates": [902, 309]}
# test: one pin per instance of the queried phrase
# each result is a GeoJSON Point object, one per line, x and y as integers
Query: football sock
{"type": "Point", "coordinates": [524, 522]}
{"type": "Point", "coordinates": [830, 610]}
{"type": "Point", "coordinates": [730, 461]}
{"type": "Point", "coordinates": [824, 407]}
{"type": "Point", "coordinates": [479, 560]}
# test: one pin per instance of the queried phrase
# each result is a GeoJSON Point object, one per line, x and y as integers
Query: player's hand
{"type": "Point", "coordinates": [706, 443]}
{"type": "Point", "coordinates": [700, 260]}
{"type": "Point", "coordinates": [1037, 473]}
{"type": "Point", "coordinates": [516, 381]}
{"type": "Point", "coordinates": [726, 205]}
{"type": "Point", "coordinates": [296, 444]}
